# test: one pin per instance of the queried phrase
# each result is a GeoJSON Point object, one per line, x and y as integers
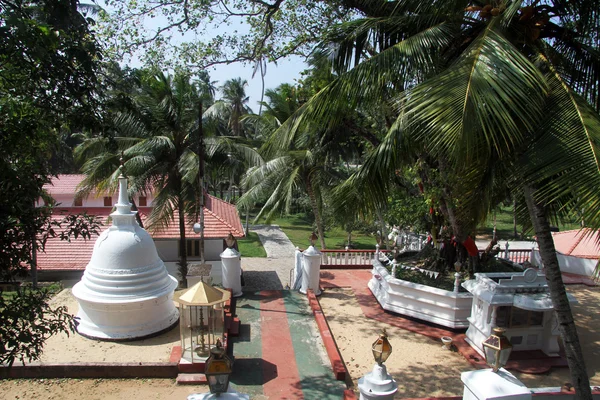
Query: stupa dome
{"type": "Point", "coordinates": [125, 292]}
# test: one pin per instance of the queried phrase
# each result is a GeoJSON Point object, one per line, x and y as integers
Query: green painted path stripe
{"type": "Point", "coordinates": [247, 374]}
{"type": "Point", "coordinates": [316, 377]}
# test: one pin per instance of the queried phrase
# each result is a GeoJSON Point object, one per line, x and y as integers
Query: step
{"type": "Point", "coordinates": [191, 379]}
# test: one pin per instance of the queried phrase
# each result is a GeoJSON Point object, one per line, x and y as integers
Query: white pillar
{"type": "Point", "coordinates": [394, 266]}
{"type": "Point", "coordinates": [456, 282]}
{"type": "Point", "coordinates": [377, 384]}
{"type": "Point", "coordinates": [232, 271]}
{"type": "Point", "coordinates": [486, 384]}
{"type": "Point", "coordinates": [311, 270]}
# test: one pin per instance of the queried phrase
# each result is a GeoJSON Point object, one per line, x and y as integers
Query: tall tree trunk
{"type": "Point", "coordinates": [558, 294]}
{"type": "Point", "coordinates": [515, 232]}
{"type": "Point", "coordinates": [183, 268]}
{"type": "Point", "coordinates": [384, 234]}
{"type": "Point", "coordinates": [134, 207]}
{"type": "Point", "coordinates": [315, 206]}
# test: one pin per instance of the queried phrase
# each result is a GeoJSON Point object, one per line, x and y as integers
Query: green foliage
{"type": "Point", "coordinates": [251, 246]}
{"type": "Point", "coordinates": [26, 322]}
{"type": "Point", "coordinates": [48, 85]}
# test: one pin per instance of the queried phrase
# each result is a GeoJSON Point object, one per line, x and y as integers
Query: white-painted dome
{"type": "Point", "coordinates": [125, 292]}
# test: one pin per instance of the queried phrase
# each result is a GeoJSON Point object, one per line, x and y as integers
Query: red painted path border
{"type": "Point", "coordinates": [280, 371]}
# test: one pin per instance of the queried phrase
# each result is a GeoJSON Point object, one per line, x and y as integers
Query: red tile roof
{"type": "Point", "coordinates": [220, 218]}
{"type": "Point", "coordinates": [64, 184]}
{"type": "Point", "coordinates": [577, 243]}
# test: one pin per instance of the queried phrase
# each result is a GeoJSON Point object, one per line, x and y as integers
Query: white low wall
{"type": "Point", "coordinates": [570, 264]}
{"type": "Point", "coordinates": [430, 304]}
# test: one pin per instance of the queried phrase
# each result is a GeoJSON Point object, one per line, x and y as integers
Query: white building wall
{"type": "Point", "coordinates": [570, 264]}
{"type": "Point", "coordinates": [168, 251]}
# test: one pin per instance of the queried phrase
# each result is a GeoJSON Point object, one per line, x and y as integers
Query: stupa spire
{"type": "Point", "coordinates": [123, 205]}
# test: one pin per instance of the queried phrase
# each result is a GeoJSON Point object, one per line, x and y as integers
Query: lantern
{"type": "Point", "coordinates": [496, 349]}
{"type": "Point", "coordinates": [218, 368]}
{"type": "Point", "coordinates": [202, 320]}
{"type": "Point", "coordinates": [381, 348]}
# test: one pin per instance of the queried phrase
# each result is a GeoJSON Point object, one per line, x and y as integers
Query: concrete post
{"type": "Point", "coordinates": [377, 384]}
{"type": "Point", "coordinates": [485, 384]}
{"type": "Point", "coordinates": [456, 282]}
{"type": "Point", "coordinates": [311, 270]}
{"type": "Point", "coordinates": [232, 271]}
{"type": "Point", "coordinates": [506, 251]}
{"type": "Point", "coordinates": [394, 266]}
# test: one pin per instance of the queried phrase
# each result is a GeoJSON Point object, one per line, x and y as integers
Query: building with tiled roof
{"type": "Point", "coordinates": [220, 218]}
{"type": "Point", "coordinates": [578, 251]}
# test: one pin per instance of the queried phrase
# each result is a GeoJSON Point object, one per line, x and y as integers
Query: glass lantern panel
{"type": "Point", "coordinates": [504, 354]}
{"type": "Point", "coordinates": [490, 356]}
{"type": "Point", "coordinates": [218, 383]}
{"type": "Point", "coordinates": [185, 324]}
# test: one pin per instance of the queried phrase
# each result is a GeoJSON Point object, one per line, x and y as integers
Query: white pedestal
{"type": "Point", "coordinates": [486, 384]}
{"type": "Point", "coordinates": [230, 395]}
{"type": "Point", "coordinates": [311, 266]}
{"type": "Point", "coordinates": [232, 271]}
{"type": "Point", "coordinates": [377, 384]}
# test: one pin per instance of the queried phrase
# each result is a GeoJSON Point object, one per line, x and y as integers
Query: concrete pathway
{"type": "Point", "coordinates": [273, 272]}
{"type": "Point", "coordinates": [275, 242]}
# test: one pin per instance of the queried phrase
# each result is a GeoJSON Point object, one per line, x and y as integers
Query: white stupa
{"type": "Point", "coordinates": [125, 292]}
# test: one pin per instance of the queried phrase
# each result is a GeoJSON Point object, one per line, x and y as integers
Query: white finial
{"type": "Point", "coordinates": [123, 205]}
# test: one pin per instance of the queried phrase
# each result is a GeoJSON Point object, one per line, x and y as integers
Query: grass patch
{"type": "Point", "coordinates": [298, 229]}
{"type": "Point", "coordinates": [505, 229]}
{"type": "Point", "coordinates": [250, 246]}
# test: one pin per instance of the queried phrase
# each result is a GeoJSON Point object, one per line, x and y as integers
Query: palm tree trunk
{"type": "Point", "coordinates": [558, 294]}
{"type": "Point", "coordinates": [182, 243]}
{"type": "Point", "coordinates": [315, 206]}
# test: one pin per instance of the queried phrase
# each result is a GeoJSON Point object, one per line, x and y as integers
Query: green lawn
{"type": "Point", "coordinates": [504, 225]}
{"type": "Point", "coordinates": [250, 246]}
{"type": "Point", "coordinates": [299, 229]}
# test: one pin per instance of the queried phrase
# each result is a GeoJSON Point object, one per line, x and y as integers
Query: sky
{"type": "Point", "coordinates": [285, 71]}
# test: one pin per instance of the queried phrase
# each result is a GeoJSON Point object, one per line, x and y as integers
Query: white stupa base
{"type": "Point", "coordinates": [126, 320]}
{"type": "Point", "coordinates": [230, 395]}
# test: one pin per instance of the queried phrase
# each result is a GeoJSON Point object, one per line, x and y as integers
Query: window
{"type": "Point", "coordinates": [108, 201]}
{"type": "Point", "coordinates": [514, 317]}
{"type": "Point", "coordinates": [192, 248]}
{"type": "Point", "coordinates": [78, 203]}
{"type": "Point", "coordinates": [142, 201]}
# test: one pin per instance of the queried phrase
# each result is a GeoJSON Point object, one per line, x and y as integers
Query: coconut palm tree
{"type": "Point", "coordinates": [505, 92]}
{"type": "Point", "coordinates": [155, 144]}
{"type": "Point", "coordinates": [236, 100]}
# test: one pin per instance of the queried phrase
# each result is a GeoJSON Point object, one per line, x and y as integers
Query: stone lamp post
{"type": "Point", "coordinates": [496, 383]}
{"type": "Point", "coordinates": [218, 370]}
{"type": "Point", "coordinates": [378, 384]}
{"type": "Point", "coordinates": [497, 349]}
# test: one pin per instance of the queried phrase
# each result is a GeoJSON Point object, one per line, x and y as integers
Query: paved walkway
{"type": "Point", "coordinates": [273, 272]}
{"type": "Point", "coordinates": [275, 242]}
{"type": "Point", "coordinates": [279, 352]}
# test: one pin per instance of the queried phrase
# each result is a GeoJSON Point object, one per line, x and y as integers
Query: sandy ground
{"type": "Point", "coordinates": [76, 348]}
{"type": "Point", "coordinates": [416, 358]}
